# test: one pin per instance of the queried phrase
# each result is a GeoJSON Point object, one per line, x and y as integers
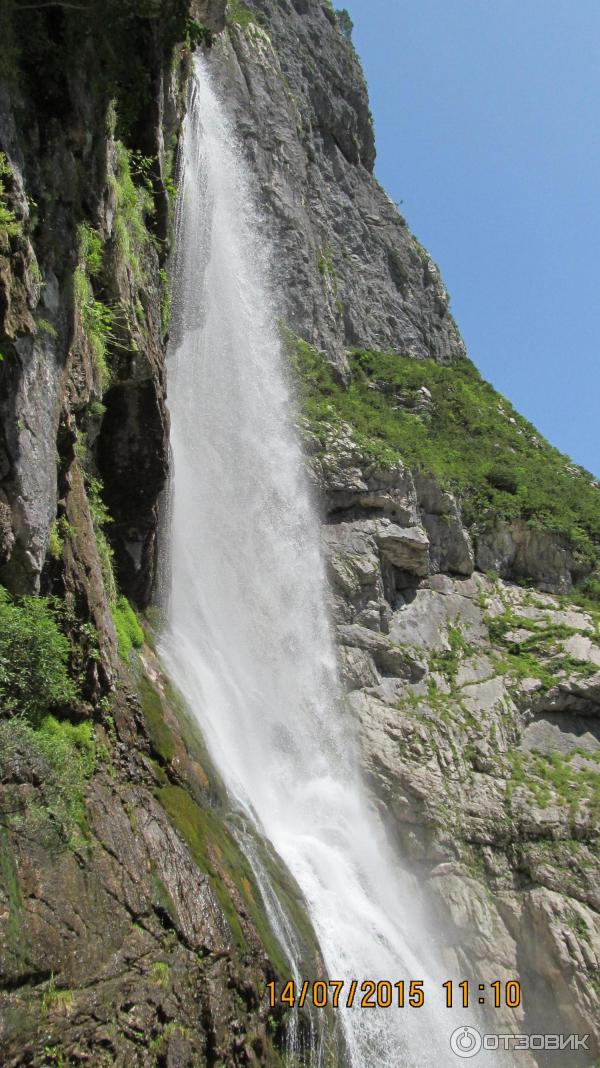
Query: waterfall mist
{"type": "Point", "coordinates": [247, 639]}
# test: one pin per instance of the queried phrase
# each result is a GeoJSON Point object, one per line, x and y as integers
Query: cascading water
{"type": "Point", "coordinates": [248, 640]}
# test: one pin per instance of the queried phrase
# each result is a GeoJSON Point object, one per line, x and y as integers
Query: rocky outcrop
{"type": "Point", "coordinates": [515, 550]}
{"type": "Point", "coordinates": [349, 271]}
{"type": "Point", "coordinates": [477, 702]}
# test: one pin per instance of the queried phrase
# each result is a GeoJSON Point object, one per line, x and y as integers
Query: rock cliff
{"type": "Point", "coordinates": [464, 582]}
{"type": "Point", "coordinates": [131, 930]}
{"type": "Point", "coordinates": [351, 271]}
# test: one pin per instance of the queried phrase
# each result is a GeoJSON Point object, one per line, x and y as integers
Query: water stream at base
{"type": "Point", "coordinates": [247, 640]}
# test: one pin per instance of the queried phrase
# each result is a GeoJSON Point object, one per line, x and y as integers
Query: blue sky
{"type": "Point", "coordinates": [487, 118]}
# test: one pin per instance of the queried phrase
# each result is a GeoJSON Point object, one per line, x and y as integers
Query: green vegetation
{"type": "Point", "coordinates": [539, 656]}
{"type": "Point", "coordinates": [55, 1055]}
{"type": "Point", "coordinates": [556, 779]}
{"type": "Point", "coordinates": [160, 972]}
{"type": "Point", "coordinates": [129, 633]}
{"type": "Point", "coordinates": [238, 13]}
{"type": "Point", "coordinates": [96, 317]}
{"type": "Point", "coordinates": [53, 995]}
{"type": "Point", "coordinates": [161, 737]}
{"type": "Point", "coordinates": [448, 661]}
{"type": "Point", "coordinates": [9, 880]}
{"type": "Point", "coordinates": [216, 852]}
{"type": "Point", "coordinates": [55, 541]}
{"type": "Point", "coordinates": [91, 250]}
{"type": "Point", "coordinates": [59, 531]}
{"type": "Point", "coordinates": [9, 224]}
{"type": "Point", "coordinates": [204, 833]}
{"type": "Point", "coordinates": [325, 262]}
{"type": "Point", "coordinates": [197, 34]}
{"type": "Point", "coordinates": [133, 204]}
{"type": "Point", "coordinates": [64, 756]}
{"type": "Point", "coordinates": [100, 519]}
{"type": "Point", "coordinates": [34, 658]}
{"type": "Point", "coordinates": [469, 437]}
{"type": "Point", "coordinates": [47, 328]}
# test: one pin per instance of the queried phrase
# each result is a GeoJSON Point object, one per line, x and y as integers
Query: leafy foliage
{"type": "Point", "coordinates": [9, 224]}
{"type": "Point", "coordinates": [463, 432]}
{"type": "Point", "coordinates": [96, 317]}
{"type": "Point", "coordinates": [196, 34]}
{"type": "Point", "coordinates": [134, 203]}
{"type": "Point", "coordinates": [55, 541]}
{"type": "Point", "coordinates": [100, 519]}
{"type": "Point", "coordinates": [64, 756]}
{"type": "Point", "coordinates": [91, 249]}
{"type": "Point", "coordinates": [34, 658]}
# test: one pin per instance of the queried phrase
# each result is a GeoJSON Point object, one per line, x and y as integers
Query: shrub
{"type": "Point", "coordinates": [55, 541]}
{"type": "Point", "coordinates": [196, 33]}
{"type": "Point", "coordinates": [345, 23]}
{"type": "Point", "coordinates": [91, 249]}
{"type": "Point", "coordinates": [502, 478]}
{"type": "Point", "coordinates": [34, 658]}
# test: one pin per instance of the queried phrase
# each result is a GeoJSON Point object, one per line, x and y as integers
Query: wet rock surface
{"type": "Point", "coordinates": [119, 949]}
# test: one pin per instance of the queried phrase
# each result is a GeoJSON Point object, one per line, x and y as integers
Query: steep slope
{"type": "Point", "coordinates": [130, 926]}
{"type": "Point", "coordinates": [351, 272]}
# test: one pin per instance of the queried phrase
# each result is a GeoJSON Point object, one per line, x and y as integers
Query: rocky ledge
{"type": "Point", "coordinates": [478, 702]}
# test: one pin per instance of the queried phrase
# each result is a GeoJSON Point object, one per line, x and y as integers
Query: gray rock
{"type": "Point", "coordinates": [389, 657]}
{"type": "Point", "coordinates": [351, 272]}
{"type": "Point", "coordinates": [515, 550]}
{"type": "Point", "coordinates": [357, 668]}
{"type": "Point", "coordinates": [451, 549]}
{"type": "Point", "coordinates": [582, 648]}
{"type": "Point", "coordinates": [406, 548]}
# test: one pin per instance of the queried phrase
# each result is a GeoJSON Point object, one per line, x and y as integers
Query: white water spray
{"type": "Point", "coordinates": [248, 640]}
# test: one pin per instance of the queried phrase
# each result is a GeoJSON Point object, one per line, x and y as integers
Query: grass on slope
{"type": "Point", "coordinates": [466, 434]}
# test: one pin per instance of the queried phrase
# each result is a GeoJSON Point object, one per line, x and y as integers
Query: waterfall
{"type": "Point", "coordinates": [247, 639]}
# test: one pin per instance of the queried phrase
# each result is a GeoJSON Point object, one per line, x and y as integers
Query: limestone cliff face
{"type": "Point", "coordinates": [349, 271]}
